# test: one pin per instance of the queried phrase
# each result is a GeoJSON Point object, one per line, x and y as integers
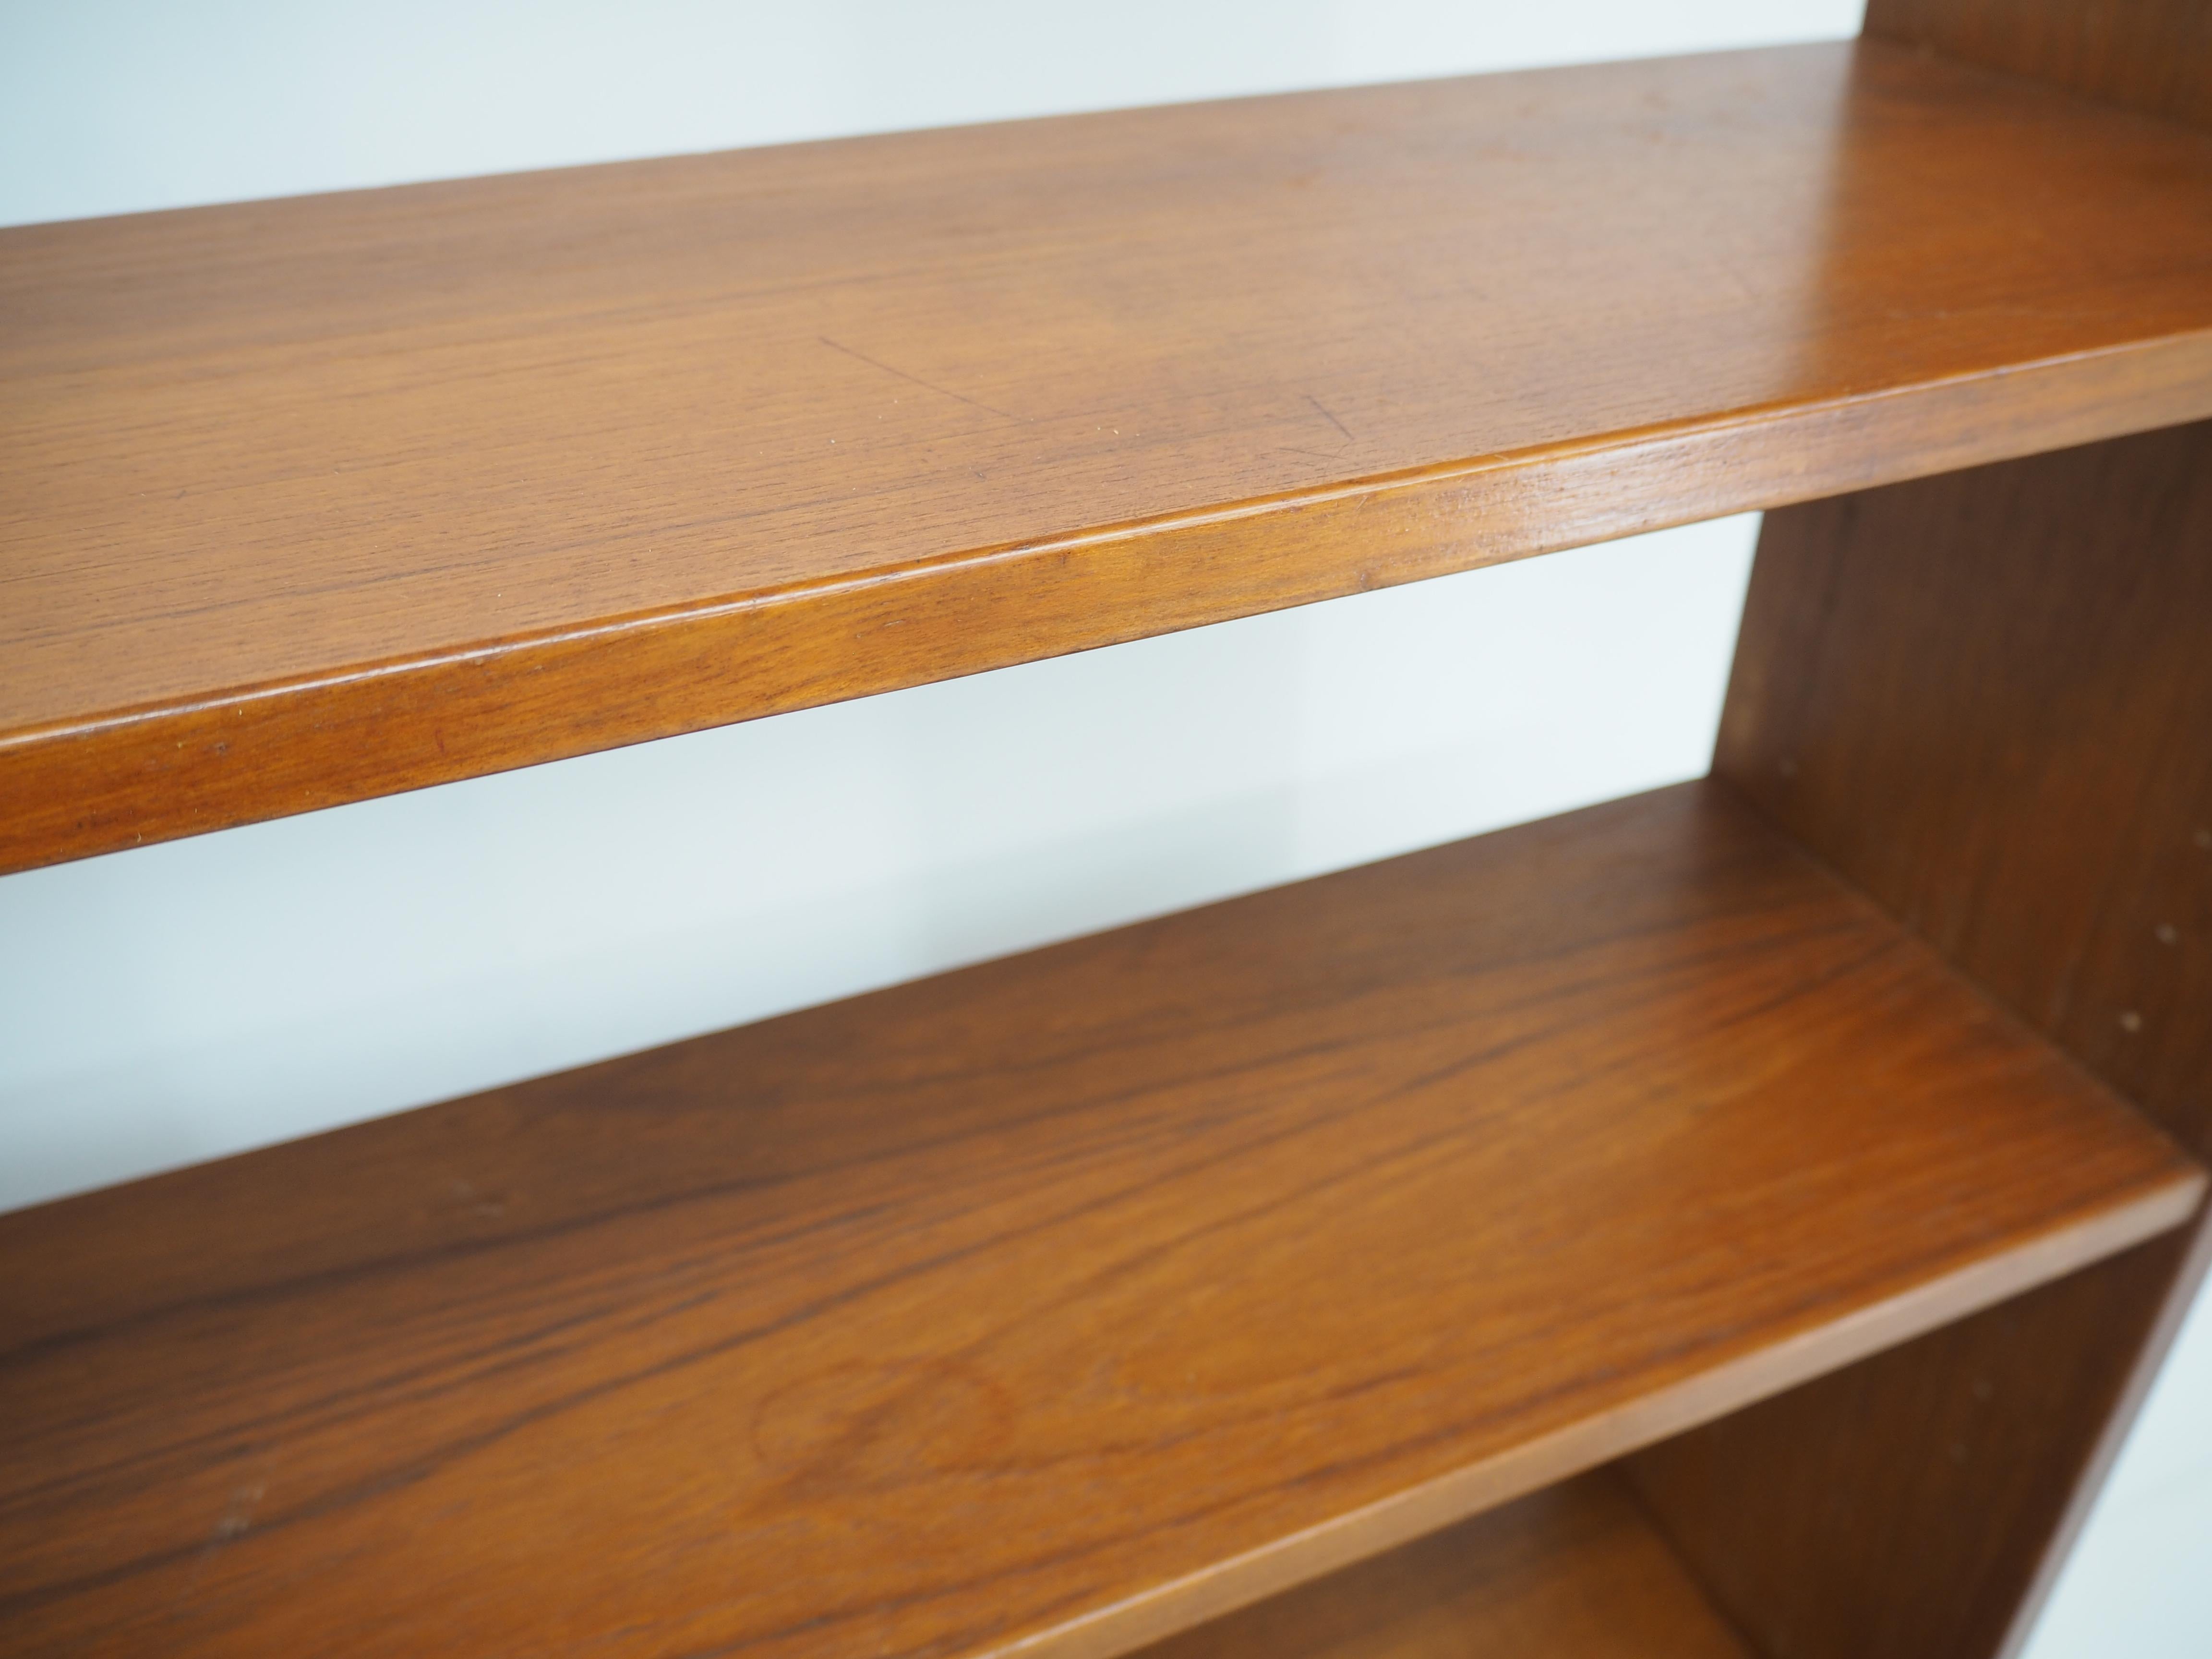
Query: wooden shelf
{"type": "Point", "coordinates": [1060, 1303]}
{"type": "Point", "coordinates": [1273, 1278]}
{"type": "Point", "coordinates": [1574, 1571]}
{"type": "Point", "coordinates": [318, 500]}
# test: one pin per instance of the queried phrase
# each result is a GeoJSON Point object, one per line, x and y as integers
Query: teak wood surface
{"type": "Point", "coordinates": [1574, 1571]}
{"type": "Point", "coordinates": [1986, 699]}
{"type": "Point", "coordinates": [316, 500]}
{"type": "Point", "coordinates": [1066, 1301]}
{"type": "Point", "coordinates": [2150, 55]}
{"type": "Point", "coordinates": [1904, 1507]}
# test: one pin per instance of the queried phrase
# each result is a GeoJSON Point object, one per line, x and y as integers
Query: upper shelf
{"type": "Point", "coordinates": [317, 500]}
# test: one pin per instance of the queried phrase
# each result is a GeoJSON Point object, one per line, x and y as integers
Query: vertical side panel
{"type": "Point", "coordinates": [2152, 55]}
{"type": "Point", "coordinates": [1902, 1508]}
{"type": "Point", "coordinates": [1986, 698]}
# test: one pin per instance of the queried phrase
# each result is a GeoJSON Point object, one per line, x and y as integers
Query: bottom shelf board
{"type": "Point", "coordinates": [1574, 1571]}
{"type": "Point", "coordinates": [1059, 1303]}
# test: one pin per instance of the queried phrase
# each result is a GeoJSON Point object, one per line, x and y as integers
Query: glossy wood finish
{"type": "Point", "coordinates": [1986, 699]}
{"type": "Point", "coordinates": [1574, 1571]}
{"type": "Point", "coordinates": [318, 500]}
{"type": "Point", "coordinates": [1900, 1507]}
{"type": "Point", "coordinates": [1069, 1300]}
{"type": "Point", "coordinates": [2151, 55]}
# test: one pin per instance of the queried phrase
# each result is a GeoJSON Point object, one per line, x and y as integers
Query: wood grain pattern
{"type": "Point", "coordinates": [1066, 1301]}
{"type": "Point", "coordinates": [1986, 699]}
{"type": "Point", "coordinates": [2150, 55]}
{"type": "Point", "coordinates": [1574, 1571]}
{"type": "Point", "coordinates": [1899, 1507]}
{"type": "Point", "coordinates": [311, 501]}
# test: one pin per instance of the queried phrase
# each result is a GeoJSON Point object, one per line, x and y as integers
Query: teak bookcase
{"type": "Point", "coordinates": [1736, 1220]}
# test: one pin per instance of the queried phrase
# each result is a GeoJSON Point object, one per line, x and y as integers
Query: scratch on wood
{"type": "Point", "coordinates": [1322, 410]}
{"type": "Point", "coordinates": [236, 1517]}
{"type": "Point", "coordinates": [916, 379]}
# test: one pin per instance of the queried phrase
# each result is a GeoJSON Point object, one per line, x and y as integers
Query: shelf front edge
{"type": "Point", "coordinates": [1057, 1303]}
{"type": "Point", "coordinates": [111, 782]}
{"type": "Point", "coordinates": [1529, 1467]}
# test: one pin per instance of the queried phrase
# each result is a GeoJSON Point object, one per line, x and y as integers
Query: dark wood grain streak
{"type": "Point", "coordinates": [2151, 55]}
{"type": "Point", "coordinates": [312, 500]}
{"type": "Point", "coordinates": [1574, 1571]}
{"type": "Point", "coordinates": [1987, 700]}
{"type": "Point", "coordinates": [1069, 1300]}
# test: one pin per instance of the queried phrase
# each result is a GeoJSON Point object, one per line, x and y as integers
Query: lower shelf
{"type": "Point", "coordinates": [1574, 1571]}
{"type": "Point", "coordinates": [1063, 1302]}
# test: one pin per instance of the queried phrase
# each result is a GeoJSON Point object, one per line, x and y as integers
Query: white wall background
{"type": "Point", "coordinates": [182, 1001]}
